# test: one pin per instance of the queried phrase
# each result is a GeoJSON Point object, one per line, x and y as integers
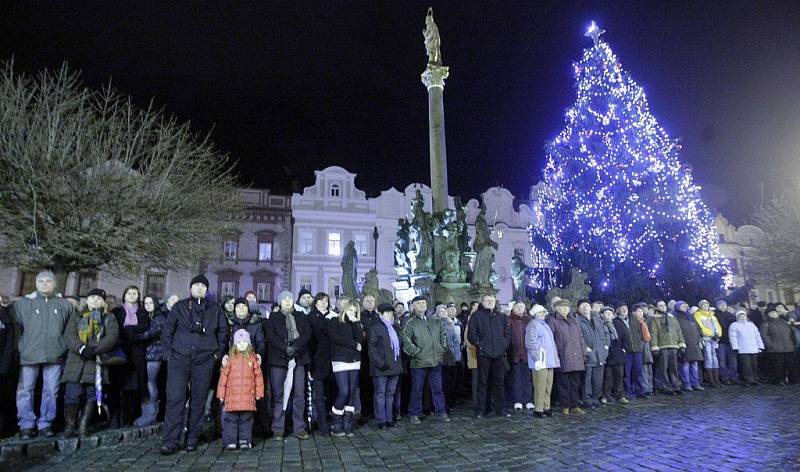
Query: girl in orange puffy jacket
{"type": "Point", "coordinates": [240, 385]}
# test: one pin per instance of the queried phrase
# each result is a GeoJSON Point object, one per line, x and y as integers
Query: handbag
{"type": "Point", "coordinates": [115, 356]}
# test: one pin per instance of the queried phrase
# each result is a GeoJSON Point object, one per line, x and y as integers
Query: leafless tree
{"type": "Point", "coordinates": [776, 259]}
{"type": "Point", "coordinates": [90, 181]}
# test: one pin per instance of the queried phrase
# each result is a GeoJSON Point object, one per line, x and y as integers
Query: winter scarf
{"type": "Point", "coordinates": [291, 327]}
{"type": "Point", "coordinates": [90, 325]}
{"type": "Point", "coordinates": [518, 325]}
{"type": "Point", "coordinates": [130, 314]}
{"type": "Point", "coordinates": [393, 338]}
{"type": "Point", "coordinates": [645, 331]}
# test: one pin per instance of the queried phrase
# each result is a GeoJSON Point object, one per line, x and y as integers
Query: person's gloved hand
{"type": "Point", "coordinates": [715, 338]}
{"type": "Point", "coordinates": [88, 353]}
{"type": "Point", "coordinates": [291, 352]}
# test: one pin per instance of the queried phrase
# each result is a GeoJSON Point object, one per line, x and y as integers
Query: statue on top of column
{"type": "Point", "coordinates": [432, 39]}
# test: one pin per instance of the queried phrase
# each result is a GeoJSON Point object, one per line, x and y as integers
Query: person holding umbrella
{"type": "Point", "coordinates": [288, 337]}
{"type": "Point", "coordinates": [87, 335]}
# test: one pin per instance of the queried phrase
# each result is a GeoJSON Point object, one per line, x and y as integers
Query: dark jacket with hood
{"type": "Point", "coordinates": [251, 324]}
{"type": "Point", "coordinates": [152, 337]}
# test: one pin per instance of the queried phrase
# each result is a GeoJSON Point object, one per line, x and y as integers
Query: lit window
{"type": "Point", "coordinates": [335, 190]}
{"type": "Point", "coordinates": [264, 251]}
{"type": "Point", "coordinates": [361, 244]}
{"type": "Point", "coordinates": [229, 289]}
{"type": "Point", "coordinates": [231, 249]}
{"type": "Point", "coordinates": [306, 243]}
{"type": "Point", "coordinates": [264, 291]}
{"type": "Point", "coordinates": [305, 282]}
{"type": "Point", "coordinates": [334, 244]}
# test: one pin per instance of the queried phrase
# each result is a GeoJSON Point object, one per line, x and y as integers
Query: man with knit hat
{"type": "Point", "coordinates": [288, 335]}
{"type": "Point", "coordinates": [304, 299]}
{"type": "Point", "coordinates": [194, 339]}
{"type": "Point", "coordinates": [40, 317]}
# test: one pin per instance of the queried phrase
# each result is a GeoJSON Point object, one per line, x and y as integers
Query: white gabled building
{"type": "Point", "coordinates": [334, 211]}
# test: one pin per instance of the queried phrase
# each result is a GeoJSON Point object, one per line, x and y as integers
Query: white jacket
{"type": "Point", "coordinates": [745, 338]}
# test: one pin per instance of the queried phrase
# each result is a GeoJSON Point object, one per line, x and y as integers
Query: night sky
{"type": "Point", "coordinates": [290, 87]}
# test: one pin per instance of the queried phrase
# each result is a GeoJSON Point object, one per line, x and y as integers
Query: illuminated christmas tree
{"type": "Point", "coordinates": [616, 201]}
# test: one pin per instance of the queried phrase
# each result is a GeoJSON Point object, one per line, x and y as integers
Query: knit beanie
{"type": "Point", "coordinates": [97, 291]}
{"type": "Point", "coordinates": [45, 274]}
{"type": "Point", "coordinates": [201, 279]}
{"type": "Point", "coordinates": [285, 294]}
{"type": "Point", "coordinates": [303, 291]}
{"type": "Point", "coordinates": [241, 335]}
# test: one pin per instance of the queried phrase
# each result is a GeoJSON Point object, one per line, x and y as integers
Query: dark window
{"type": "Point", "coordinates": [154, 285]}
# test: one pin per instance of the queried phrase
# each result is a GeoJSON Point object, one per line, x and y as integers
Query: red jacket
{"type": "Point", "coordinates": [240, 383]}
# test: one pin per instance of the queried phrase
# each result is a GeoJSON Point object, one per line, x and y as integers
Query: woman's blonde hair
{"type": "Point", "coordinates": [235, 352]}
{"type": "Point", "coordinates": [345, 303]}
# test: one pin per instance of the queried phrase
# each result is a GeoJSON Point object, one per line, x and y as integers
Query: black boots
{"type": "Point", "coordinates": [348, 423]}
{"type": "Point", "coordinates": [88, 413]}
{"type": "Point", "coordinates": [337, 424]}
{"type": "Point", "coordinates": [715, 376]}
{"type": "Point", "coordinates": [70, 421]}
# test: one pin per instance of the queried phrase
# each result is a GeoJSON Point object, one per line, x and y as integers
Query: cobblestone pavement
{"type": "Point", "coordinates": [734, 428]}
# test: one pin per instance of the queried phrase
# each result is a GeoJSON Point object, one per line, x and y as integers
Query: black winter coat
{"type": "Point", "coordinates": [133, 375]}
{"type": "Point", "coordinates": [320, 344]}
{"type": "Point", "coordinates": [277, 339]}
{"type": "Point", "coordinates": [490, 333]}
{"type": "Point", "coordinates": [251, 324]}
{"type": "Point", "coordinates": [691, 335]}
{"type": "Point", "coordinates": [620, 346]}
{"type": "Point", "coordinates": [346, 336]}
{"type": "Point", "coordinates": [7, 346]}
{"type": "Point", "coordinates": [369, 317]}
{"type": "Point", "coordinates": [195, 329]}
{"type": "Point", "coordinates": [381, 357]}
{"type": "Point", "coordinates": [726, 319]}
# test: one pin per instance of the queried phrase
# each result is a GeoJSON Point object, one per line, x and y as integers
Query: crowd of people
{"type": "Point", "coordinates": [307, 367]}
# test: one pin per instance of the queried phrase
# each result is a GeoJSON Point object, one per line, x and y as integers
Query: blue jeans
{"type": "Point", "coordinates": [434, 375]}
{"type": "Point", "coordinates": [728, 365]}
{"type": "Point", "coordinates": [710, 353]}
{"type": "Point", "coordinates": [690, 374]}
{"type": "Point", "coordinates": [384, 389]}
{"type": "Point", "coordinates": [28, 374]}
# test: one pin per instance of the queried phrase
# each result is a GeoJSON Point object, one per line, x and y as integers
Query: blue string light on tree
{"type": "Point", "coordinates": [617, 203]}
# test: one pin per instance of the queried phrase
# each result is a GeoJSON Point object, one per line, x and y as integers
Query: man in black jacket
{"type": "Point", "coordinates": [194, 338]}
{"type": "Point", "coordinates": [490, 333]}
{"type": "Point", "coordinates": [288, 336]}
